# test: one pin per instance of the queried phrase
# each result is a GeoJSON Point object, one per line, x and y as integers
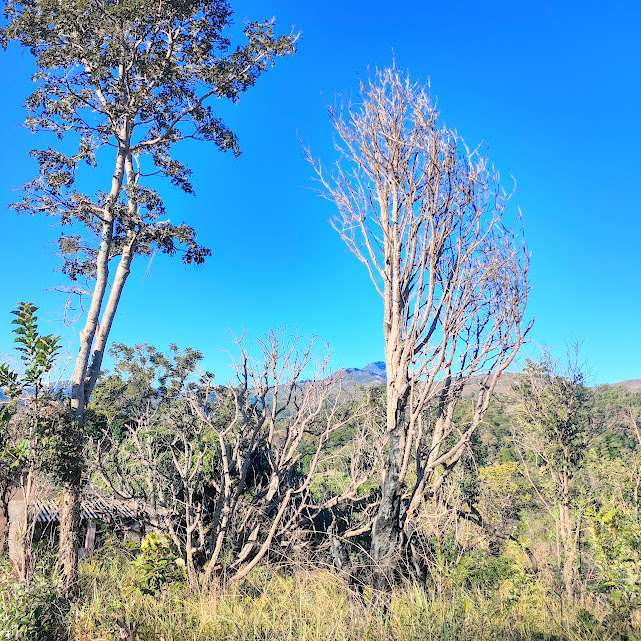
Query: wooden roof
{"type": "Point", "coordinates": [95, 507]}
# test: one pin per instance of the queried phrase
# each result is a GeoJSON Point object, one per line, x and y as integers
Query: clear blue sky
{"type": "Point", "coordinates": [554, 88]}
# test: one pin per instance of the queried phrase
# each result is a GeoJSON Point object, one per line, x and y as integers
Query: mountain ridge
{"type": "Point", "coordinates": [374, 373]}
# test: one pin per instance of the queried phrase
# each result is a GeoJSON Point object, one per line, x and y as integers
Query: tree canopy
{"type": "Point", "coordinates": [133, 76]}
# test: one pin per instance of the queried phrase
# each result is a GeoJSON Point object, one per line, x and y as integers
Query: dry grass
{"type": "Point", "coordinates": [307, 604]}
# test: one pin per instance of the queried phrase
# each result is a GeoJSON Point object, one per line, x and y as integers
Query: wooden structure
{"type": "Point", "coordinates": [126, 517]}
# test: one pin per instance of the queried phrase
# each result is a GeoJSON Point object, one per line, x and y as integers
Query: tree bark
{"type": "Point", "coordinates": [387, 527]}
{"type": "Point", "coordinates": [423, 214]}
{"type": "Point", "coordinates": [69, 539]}
{"type": "Point", "coordinates": [569, 548]}
{"type": "Point", "coordinates": [386, 531]}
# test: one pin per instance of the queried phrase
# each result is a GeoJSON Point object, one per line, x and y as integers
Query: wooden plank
{"type": "Point", "coordinates": [90, 539]}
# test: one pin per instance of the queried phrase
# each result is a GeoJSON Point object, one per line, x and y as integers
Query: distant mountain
{"type": "Point", "coordinates": [370, 375]}
{"type": "Point", "coordinates": [374, 374]}
{"type": "Point", "coordinates": [377, 368]}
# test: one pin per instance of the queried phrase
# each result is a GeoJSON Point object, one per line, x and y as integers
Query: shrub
{"type": "Point", "coordinates": [158, 564]}
{"type": "Point", "coordinates": [615, 539]}
{"type": "Point", "coordinates": [32, 611]}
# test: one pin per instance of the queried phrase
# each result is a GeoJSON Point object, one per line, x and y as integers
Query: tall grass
{"type": "Point", "coordinates": [299, 603]}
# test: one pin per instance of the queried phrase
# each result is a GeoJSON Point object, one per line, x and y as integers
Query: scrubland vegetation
{"type": "Point", "coordinates": [499, 551]}
{"type": "Point", "coordinates": [460, 500]}
{"type": "Point", "coordinates": [298, 602]}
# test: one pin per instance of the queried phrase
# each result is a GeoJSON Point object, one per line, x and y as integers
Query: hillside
{"type": "Point", "coordinates": [374, 374]}
{"type": "Point", "coordinates": [633, 384]}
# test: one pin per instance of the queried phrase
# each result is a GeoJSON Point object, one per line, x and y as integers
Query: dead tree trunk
{"type": "Point", "coordinates": [386, 528]}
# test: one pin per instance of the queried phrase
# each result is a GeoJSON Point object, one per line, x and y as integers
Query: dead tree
{"type": "Point", "coordinates": [425, 215]}
{"type": "Point", "coordinates": [274, 450]}
{"type": "Point", "coordinates": [232, 471]}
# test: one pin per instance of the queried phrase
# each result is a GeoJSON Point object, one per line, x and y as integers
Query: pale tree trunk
{"type": "Point", "coordinates": [567, 535]}
{"type": "Point", "coordinates": [70, 501]}
{"type": "Point", "coordinates": [93, 340]}
{"type": "Point", "coordinates": [24, 564]}
{"type": "Point", "coordinates": [566, 542]}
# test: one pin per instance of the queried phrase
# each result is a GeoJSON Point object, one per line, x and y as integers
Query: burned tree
{"type": "Point", "coordinates": [424, 214]}
{"type": "Point", "coordinates": [231, 471]}
{"type": "Point", "coordinates": [275, 447]}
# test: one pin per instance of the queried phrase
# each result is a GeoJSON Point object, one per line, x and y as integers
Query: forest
{"type": "Point", "coordinates": [470, 489]}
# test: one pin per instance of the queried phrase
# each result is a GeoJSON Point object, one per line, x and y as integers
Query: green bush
{"type": "Point", "coordinates": [158, 564]}
{"type": "Point", "coordinates": [32, 611]}
{"type": "Point", "coordinates": [615, 540]}
{"type": "Point", "coordinates": [450, 563]}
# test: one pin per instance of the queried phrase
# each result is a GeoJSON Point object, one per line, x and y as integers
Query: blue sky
{"type": "Point", "coordinates": [553, 88]}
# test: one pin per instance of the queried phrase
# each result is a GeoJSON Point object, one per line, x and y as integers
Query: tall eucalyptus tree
{"type": "Point", "coordinates": [130, 78]}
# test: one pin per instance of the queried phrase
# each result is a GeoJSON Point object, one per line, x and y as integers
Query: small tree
{"type": "Point", "coordinates": [148, 444]}
{"type": "Point", "coordinates": [31, 437]}
{"type": "Point", "coordinates": [425, 217]}
{"type": "Point", "coordinates": [233, 472]}
{"type": "Point", "coordinates": [131, 79]}
{"type": "Point", "coordinates": [552, 434]}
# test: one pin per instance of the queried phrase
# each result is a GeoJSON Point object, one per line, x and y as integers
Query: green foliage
{"type": "Point", "coordinates": [10, 385]}
{"type": "Point", "coordinates": [451, 565]}
{"type": "Point", "coordinates": [32, 611]}
{"type": "Point", "coordinates": [14, 454]}
{"type": "Point", "coordinates": [42, 427]}
{"type": "Point", "coordinates": [147, 388]}
{"type": "Point", "coordinates": [46, 425]}
{"type": "Point", "coordinates": [37, 352]}
{"type": "Point", "coordinates": [615, 539]}
{"type": "Point", "coordinates": [60, 445]}
{"type": "Point", "coordinates": [143, 377]}
{"type": "Point", "coordinates": [158, 564]}
{"type": "Point", "coordinates": [503, 493]}
{"type": "Point", "coordinates": [327, 485]}
{"type": "Point", "coordinates": [558, 407]}
{"type": "Point", "coordinates": [135, 76]}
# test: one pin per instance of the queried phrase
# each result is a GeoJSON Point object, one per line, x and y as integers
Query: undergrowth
{"type": "Point", "coordinates": [304, 603]}
{"type": "Point", "coordinates": [299, 603]}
